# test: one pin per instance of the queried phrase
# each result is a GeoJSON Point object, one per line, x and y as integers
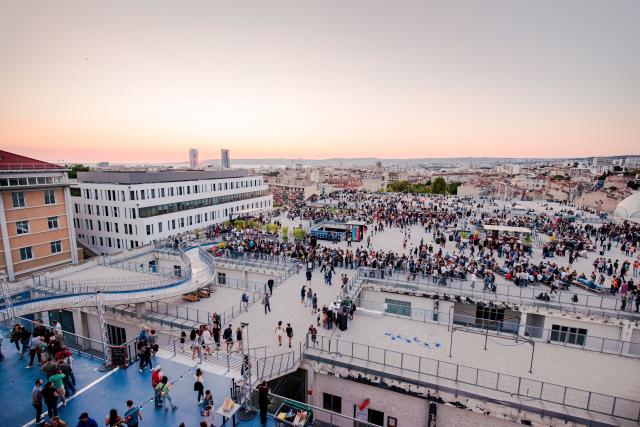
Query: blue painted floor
{"type": "Point", "coordinates": [112, 392]}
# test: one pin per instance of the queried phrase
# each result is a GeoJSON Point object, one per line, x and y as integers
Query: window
{"type": "Point", "coordinates": [49, 197]}
{"type": "Point", "coordinates": [56, 247]}
{"type": "Point", "coordinates": [26, 253]}
{"type": "Point", "coordinates": [177, 270]}
{"type": "Point", "coordinates": [22, 227]}
{"type": "Point", "coordinates": [376, 417]}
{"type": "Point", "coordinates": [132, 195]}
{"type": "Point", "coordinates": [18, 199]}
{"type": "Point", "coordinates": [52, 221]}
{"type": "Point", "coordinates": [332, 403]}
{"type": "Point", "coordinates": [577, 336]}
{"type": "Point", "coordinates": [116, 335]}
{"type": "Point", "coordinates": [222, 278]}
{"type": "Point", "coordinates": [402, 308]}
{"type": "Point", "coordinates": [148, 229]}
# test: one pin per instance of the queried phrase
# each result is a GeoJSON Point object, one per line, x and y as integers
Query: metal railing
{"type": "Point", "coordinates": [92, 285]}
{"type": "Point", "coordinates": [322, 417]}
{"type": "Point", "coordinates": [549, 336]}
{"type": "Point", "coordinates": [587, 303]}
{"type": "Point", "coordinates": [277, 365]}
{"type": "Point", "coordinates": [412, 367]}
{"type": "Point", "coordinates": [78, 344]}
{"type": "Point", "coordinates": [83, 296]}
{"type": "Point", "coordinates": [143, 267]}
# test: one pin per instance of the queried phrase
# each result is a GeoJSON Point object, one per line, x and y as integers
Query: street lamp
{"type": "Point", "coordinates": [246, 412]}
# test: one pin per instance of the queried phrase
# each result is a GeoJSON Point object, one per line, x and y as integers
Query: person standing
{"type": "Point", "coordinates": [289, 331]}
{"type": "Point", "coordinates": [279, 331]}
{"type": "Point", "coordinates": [303, 293]}
{"type": "Point", "coordinates": [266, 303]}
{"type": "Point", "coordinates": [34, 350]}
{"type": "Point", "coordinates": [132, 415]}
{"type": "Point", "coordinates": [198, 385]}
{"type": "Point", "coordinates": [56, 379]}
{"type": "Point", "coordinates": [227, 335]}
{"type": "Point", "coordinates": [36, 399]}
{"type": "Point", "coordinates": [245, 301]}
{"type": "Point", "coordinates": [193, 340]}
{"type": "Point", "coordinates": [308, 274]}
{"type": "Point", "coordinates": [216, 334]}
{"type": "Point", "coordinates": [309, 297]}
{"type": "Point", "coordinates": [164, 391]}
{"type": "Point", "coordinates": [239, 338]}
{"type": "Point", "coordinates": [50, 397]}
{"type": "Point", "coordinates": [156, 376]}
{"type": "Point", "coordinates": [314, 302]}
{"type": "Point", "coordinates": [263, 401]}
{"type": "Point", "coordinates": [270, 283]}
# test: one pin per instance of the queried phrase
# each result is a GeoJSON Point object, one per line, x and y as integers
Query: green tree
{"type": "Point", "coordinates": [452, 187]}
{"type": "Point", "coordinates": [272, 228]}
{"type": "Point", "coordinates": [285, 233]}
{"type": "Point", "coordinates": [74, 169]}
{"type": "Point", "coordinates": [299, 233]}
{"type": "Point", "coordinates": [439, 186]}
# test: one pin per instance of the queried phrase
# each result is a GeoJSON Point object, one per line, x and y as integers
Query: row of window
{"type": "Point", "coordinates": [26, 253]}
{"type": "Point", "coordinates": [113, 211]}
{"type": "Point", "coordinates": [40, 180]}
{"type": "Point", "coordinates": [111, 242]}
{"type": "Point", "coordinates": [22, 227]}
{"type": "Point", "coordinates": [577, 336]}
{"type": "Point", "coordinates": [199, 203]}
{"type": "Point", "coordinates": [153, 193]}
{"type": "Point", "coordinates": [19, 201]}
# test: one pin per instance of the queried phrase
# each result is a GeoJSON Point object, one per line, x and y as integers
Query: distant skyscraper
{"type": "Point", "coordinates": [193, 158]}
{"type": "Point", "coordinates": [224, 158]}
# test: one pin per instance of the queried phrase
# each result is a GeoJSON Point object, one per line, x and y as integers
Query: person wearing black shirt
{"type": "Point", "coordinates": [263, 401]}
{"type": "Point", "coordinates": [227, 335]}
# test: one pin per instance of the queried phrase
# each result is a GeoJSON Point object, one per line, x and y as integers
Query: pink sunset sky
{"type": "Point", "coordinates": [145, 81]}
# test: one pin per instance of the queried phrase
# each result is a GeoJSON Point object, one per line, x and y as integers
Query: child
{"type": "Point", "coordinates": [206, 401]}
{"type": "Point", "coordinates": [209, 416]}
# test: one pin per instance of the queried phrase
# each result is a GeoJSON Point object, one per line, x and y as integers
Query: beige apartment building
{"type": "Point", "coordinates": [36, 228]}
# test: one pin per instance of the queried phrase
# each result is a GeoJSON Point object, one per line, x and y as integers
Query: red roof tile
{"type": "Point", "coordinates": [12, 161]}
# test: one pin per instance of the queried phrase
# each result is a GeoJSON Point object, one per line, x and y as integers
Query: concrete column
{"type": "Point", "coordinates": [244, 276]}
{"type": "Point", "coordinates": [523, 323]}
{"type": "Point", "coordinates": [141, 309]}
{"type": "Point", "coordinates": [310, 398]}
{"type": "Point", "coordinates": [5, 241]}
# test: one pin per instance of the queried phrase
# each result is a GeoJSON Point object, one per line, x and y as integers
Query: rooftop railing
{"type": "Point", "coordinates": [462, 322]}
{"type": "Point", "coordinates": [414, 369]}
{"type": "Point", "coordinates": [588, 304]}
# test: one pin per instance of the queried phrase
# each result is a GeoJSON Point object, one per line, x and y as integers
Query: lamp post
{"type": "Point", "coordinates": [246, 412]}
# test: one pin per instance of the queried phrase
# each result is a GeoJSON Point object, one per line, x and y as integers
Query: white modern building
{"type": "Point", "coordinates": [225, 160]}
{"type": "Point", "coordinates": [123, 210]}
{"type": "Point", "coordinates": [193, 158]}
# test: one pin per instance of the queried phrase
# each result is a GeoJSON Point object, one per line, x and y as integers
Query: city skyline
{"type": "Point", "coordinates": [121, 82]}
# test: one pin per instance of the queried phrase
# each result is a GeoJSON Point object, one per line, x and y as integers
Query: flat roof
{"type": "Point", "coordinates": [157, 177]}
{"type": "Point", "coordinates": [491, 227]}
